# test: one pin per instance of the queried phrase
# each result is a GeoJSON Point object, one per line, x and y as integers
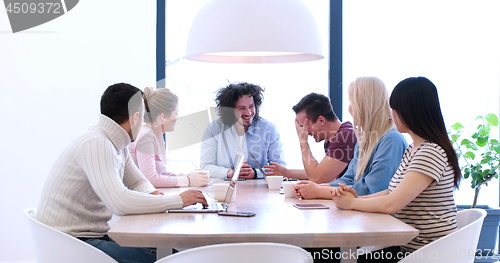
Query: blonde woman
{"type": "Point", "coordinates": [379, 149]}
{"type": "Point", "coordinates": [149, 152]}
{"type": "Point", "coordinates": [421, 191]}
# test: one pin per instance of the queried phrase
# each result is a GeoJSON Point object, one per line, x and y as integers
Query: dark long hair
{"type": "Point", "coordinates": [417, 104]}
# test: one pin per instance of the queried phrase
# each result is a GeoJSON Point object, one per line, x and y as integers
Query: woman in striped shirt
{"type": "Point", "coordinates": [421, 192]}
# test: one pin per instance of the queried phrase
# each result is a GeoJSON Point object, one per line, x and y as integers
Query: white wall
{"type": "Point", "coordinates": [51, 80]}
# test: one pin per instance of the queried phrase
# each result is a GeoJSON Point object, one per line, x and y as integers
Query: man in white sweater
{"type": "Point", "coordinates": [95, 177]}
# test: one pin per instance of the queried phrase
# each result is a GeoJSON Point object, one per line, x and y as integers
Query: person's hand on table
{"type": "Point", "coordinates": [246, 172]}
{"type": "Point", "coordinates": [156, 193]}
{"type": "Point", "coordinates": [342, 190]}
{"type": "Point", "coordinates": [198, 178]}
{"type": "Point", "coordinates": [191, 197]}
{"type": "Point", "coordinates": [275, 168]}
{"type": "Point", "coordinates": [306, 190]}
{"type": "Point", "coordinates": [344, 201]}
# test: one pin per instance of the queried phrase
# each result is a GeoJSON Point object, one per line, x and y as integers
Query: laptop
{"type": "Point", "coordinates": [212, 206]}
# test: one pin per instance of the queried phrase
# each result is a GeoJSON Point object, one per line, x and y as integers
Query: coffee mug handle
{"type": "Point", "coordinates": [211, 196]}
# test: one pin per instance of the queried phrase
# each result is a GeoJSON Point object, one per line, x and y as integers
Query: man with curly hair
{"type": "Point", "coordinates": [240, 129]}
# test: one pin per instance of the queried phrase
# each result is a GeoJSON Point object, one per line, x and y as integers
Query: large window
{"type": "Point", "coordinates": [285, 84]}
{"type": "Point", "coordinates": [456, 44]}
{"type": "Point", "coordinates": [453, 43]}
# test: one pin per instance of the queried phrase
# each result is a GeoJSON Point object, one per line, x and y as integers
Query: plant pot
{"type": "Point", "coordinates": [489, 234]}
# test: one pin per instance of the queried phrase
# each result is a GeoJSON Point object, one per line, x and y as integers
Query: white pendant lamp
{"type": "Point", "coordinates": [254, 31]}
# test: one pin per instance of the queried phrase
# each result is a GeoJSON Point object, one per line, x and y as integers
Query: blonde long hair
{"type": "Point", "coordinates": [157, 101]}
{"type": "Point", "coordinates": [371, 116]}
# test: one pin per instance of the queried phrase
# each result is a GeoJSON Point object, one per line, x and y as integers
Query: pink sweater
{"type": "Point", "coordinates": [149, 155]}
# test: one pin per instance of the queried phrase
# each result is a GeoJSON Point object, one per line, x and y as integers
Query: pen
{"type": "Point", "coordinates": [258, 166]}
{"type": "Point", "coordinates": [297, 191]}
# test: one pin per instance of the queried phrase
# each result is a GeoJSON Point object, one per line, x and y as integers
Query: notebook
{"type": "Point", "coordinates": [212, 206]}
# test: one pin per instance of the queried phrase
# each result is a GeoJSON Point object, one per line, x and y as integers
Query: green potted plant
{"type": "Point", "coordinates": [481, 156]}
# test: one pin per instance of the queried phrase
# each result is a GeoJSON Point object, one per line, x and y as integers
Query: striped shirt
{"type": "Point", "coordinates": [433, 211]}
{"type": "Point", "coordinates": [94, 178]}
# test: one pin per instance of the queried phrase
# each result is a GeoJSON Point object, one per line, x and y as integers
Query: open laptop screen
{"type": "Point", "coordinates": [238, 162]}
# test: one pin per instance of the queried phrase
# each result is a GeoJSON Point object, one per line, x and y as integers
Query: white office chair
{"type": "Point", "coordinates": [53, 246]}
{"type": "Point", "coordinates": [457, 247]}
{"type": "Point", "coordinates": [241, 253]}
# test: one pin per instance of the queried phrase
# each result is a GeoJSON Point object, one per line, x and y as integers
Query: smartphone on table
{"type": "Point", "coordinates": [310, 206]}
{"type": "Point", "coordinates": [242, 214]}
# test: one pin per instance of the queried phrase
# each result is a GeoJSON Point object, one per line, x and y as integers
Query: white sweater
{"type": "Point", "coordinates": [94, 178]}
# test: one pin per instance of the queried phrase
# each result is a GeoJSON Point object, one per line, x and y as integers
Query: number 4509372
{"type": "Point", "coordinates": [33, 8]}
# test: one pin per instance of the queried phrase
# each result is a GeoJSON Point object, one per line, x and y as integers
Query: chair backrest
{"type": "Point", "coordinates": [459, 246]}
{"type": "Point", "coordinates": [52, 245]}
{"type": "Point", "coordinates": [242, 253]}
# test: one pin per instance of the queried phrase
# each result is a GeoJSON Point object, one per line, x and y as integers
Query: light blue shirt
{"type": "Point", "coordinates": [384, 161]}
{"type": "Point", "coordinates": [262, 140]}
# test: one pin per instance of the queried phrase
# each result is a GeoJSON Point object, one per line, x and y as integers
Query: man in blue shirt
{"type": "Point", "coordinates": [240, 129]}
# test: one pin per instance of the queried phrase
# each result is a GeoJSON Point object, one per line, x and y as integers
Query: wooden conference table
{"type": "Point", "coordinates": [276, 220]}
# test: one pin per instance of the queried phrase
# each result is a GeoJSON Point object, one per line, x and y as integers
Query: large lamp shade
{"type": "Point", "coordinates": [254, 31]}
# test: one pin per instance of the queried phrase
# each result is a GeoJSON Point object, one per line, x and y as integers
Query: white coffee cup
{"type": "Point", "coordinates": [288, 188]}
{"type": "Point", "coordinates": [219, 191]}
{"type": "Point", "coordinates": [274, 182]}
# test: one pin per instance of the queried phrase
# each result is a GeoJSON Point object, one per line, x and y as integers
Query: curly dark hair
{"type": "Point", "coordinates": [227, 97]}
